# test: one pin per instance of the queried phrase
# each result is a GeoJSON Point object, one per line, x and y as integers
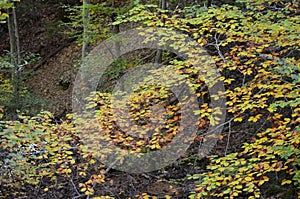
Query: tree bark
{"type": "Point", "coordinates": [163, 4]}
{"type": "Point", "coordinates": [15, 55]}
{"type": "Point", "coordinates": [86, 36]}
{"type": "Point", "coordinates": [18, 51]}
{"type": "Point", "coordinates": [11, 31]}
{"type": "Point", "coordinates": [159, 52]}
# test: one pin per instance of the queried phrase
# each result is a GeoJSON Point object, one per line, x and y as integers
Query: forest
{"type": "Point", "coordinates": [145, 99]}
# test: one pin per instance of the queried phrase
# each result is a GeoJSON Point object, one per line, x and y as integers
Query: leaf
{"type": "Point", "coordinates": [285, 181]}
{"type": "Point", "coordinates": [238, 119]}
{"type": "Point", "coordinates": [83, 189]}
{"type": "Point", "coordinates": [248, 179]}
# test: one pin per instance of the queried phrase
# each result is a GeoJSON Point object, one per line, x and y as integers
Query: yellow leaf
{"type": "Point", "coordinates": [235, 193]}
{"type": "Point", "coordinates": [266, 178]}
{"type": "Point", "coordinates": [261, 182]}
{"type": "Point", "coordinates": [145, 196]}
{"type": "Point", "coordinates": [83, 189]}
{"type": "Point", "coordinates": [257, 194]}
{"type": "Point", "coordinates": [248, 179]}
{"type": "Point", "coordinates": [168, 197]}
{"type": "Point", "coordinates": [221, 169]}
{"type": "Point", "coordinates": [239, 186]}
{"type": "Point", "coordinates": [238, 119]}
{"type": "Point", "coordinates": [285, 181]}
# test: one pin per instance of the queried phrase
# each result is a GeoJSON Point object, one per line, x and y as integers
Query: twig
{"type": "Point", "coordinates": [220, 125]}
{"type": "Point", "coordinates": [71, 180]}
{"type": "Point", "coordinates": [218, 48]}
{"type": "Point", "coordinates": [228, 138]}
{"type": "Point", "coordinates": [75, 197]}
{"type": "Point", "coordinates": [244, 80]}
{"type": "Point", "coordinates": [110, 167]}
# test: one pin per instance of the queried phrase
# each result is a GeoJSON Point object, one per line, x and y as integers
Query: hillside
{"type": "Point", "coordinates": [215, 114]}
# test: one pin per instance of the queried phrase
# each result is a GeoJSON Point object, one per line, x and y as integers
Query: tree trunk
{"type": "Point", "coordinates": [86, 36]}
{"type": "Point", "coordinates": [12, 36]}
{"type": "Point", "coordinates": [15, 55]}
{"type": "Point", "coordinates": [163, 4]}
{"type": "Point", "coordinates": [159, 52]}
{"type": "Point", "coordinates": [18, 51]}
{"type": "Point", "coordinates": [116, 30]}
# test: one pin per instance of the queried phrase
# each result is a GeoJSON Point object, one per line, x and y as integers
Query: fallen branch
{"type": "Point", "coordinates": [66, 44]}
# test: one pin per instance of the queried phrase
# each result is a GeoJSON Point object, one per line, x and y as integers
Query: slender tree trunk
{"type": "Point", "coordinates": [86, 36]}
{"type": "Point", "coordinates": [159, 52]}
{"type": "Point", "coordinates": [14, 35]}
{"type": "Point", "coordinates": [116, 30]}
{"type": "Point", "coordinates": [18, 52]}
{"type": "Point", "coordinates": [15, 55]}
{"type": "Point", "coordinates": [163, 4]}
{"type": "Point", "coordinates": [11, 31]}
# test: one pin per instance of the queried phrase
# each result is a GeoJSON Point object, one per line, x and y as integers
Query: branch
{"type": "Point", "coordinates": [66, 44]}
{"type": "Point", "coordinates": [71, 180]}
{"type": "Point", "coordinates": [218, 48]}
{"type": "Point", "coordinates": [228, 138]}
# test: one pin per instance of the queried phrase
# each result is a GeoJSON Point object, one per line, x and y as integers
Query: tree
{"type": "Point", "coordinates": [86, 32]}
{"type": "Point", "coordinates": [13, 34]}
{"type": "Point", "coordinates": [254, 44]}
{"type": "Point", "coordinates": [15, 95]}
{"type": "Point", "coordinates": [159, 52]}
{"type": "Point", "coordinates": [15, 54]}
